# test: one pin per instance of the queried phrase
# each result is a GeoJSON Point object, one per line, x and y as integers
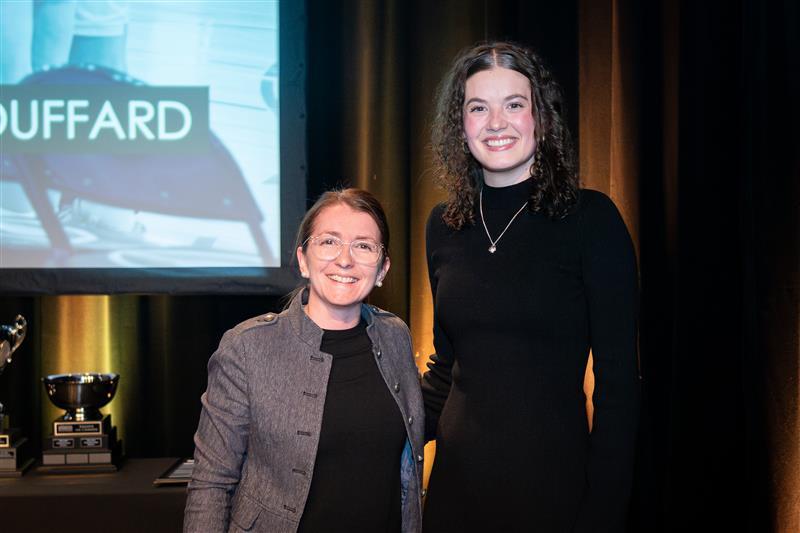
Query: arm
{"type": "Point", "coordinates": [610, 279]}
{"type": "Point", "coordinates": [220, 441]}
{"type": "Point", "coordinates": [437, 380]}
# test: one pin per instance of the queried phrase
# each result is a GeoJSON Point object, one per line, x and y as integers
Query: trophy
{"type": "Point", "coordinates": [14, 449]}
{"type": "Point", "coordinates": [83, 438]}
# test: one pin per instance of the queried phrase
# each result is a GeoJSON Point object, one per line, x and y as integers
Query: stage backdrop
{"type": "Point", "coordinates": [687, 116]}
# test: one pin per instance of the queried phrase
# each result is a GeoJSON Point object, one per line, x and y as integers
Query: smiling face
{"type": "Point", "coordinates": [498, 124]}
{"type": "Point", "coordinates": [338, 286]}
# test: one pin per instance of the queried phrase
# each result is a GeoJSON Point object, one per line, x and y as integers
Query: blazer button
{"type": "Point", "coordinates": [397, 387]}
{"type": "Point", "coordinates": [410, 419]}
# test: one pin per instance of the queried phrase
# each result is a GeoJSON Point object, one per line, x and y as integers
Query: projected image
{"type": "Point", "coordinates": [139, 134]}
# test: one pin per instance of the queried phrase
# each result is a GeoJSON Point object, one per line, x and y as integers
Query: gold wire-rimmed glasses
{"type": "Point", "coordinates": [327, 248]}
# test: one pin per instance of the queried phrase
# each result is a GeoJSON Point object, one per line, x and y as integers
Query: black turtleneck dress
{"type": "Point", "coordinates": [504, 391]}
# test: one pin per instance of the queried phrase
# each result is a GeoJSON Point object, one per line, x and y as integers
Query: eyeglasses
{"type": "Point", "coordinates": [328, 248]}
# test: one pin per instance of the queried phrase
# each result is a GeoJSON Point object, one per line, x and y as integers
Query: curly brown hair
{"type": "Point", "coordinates": [554, 189]}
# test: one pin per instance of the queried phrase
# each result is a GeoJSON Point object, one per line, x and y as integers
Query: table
{"type": "Point", "coordinates": [121, 501]}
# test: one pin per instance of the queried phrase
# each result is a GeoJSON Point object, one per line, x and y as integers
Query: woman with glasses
{"type": "Point", "coordinates": [529, 273]}
{"type": "Point", "coordinates": [313, 419]}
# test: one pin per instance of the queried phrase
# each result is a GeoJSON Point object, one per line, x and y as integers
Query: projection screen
{"type": "Point", "coordinates": [150, 146]}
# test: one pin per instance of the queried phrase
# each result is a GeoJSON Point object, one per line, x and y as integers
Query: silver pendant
{"type": "Point", "coordinates": [492, 249]}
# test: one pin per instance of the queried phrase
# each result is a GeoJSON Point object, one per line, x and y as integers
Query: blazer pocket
{"type": "Point", "coordinates": [245, 512]}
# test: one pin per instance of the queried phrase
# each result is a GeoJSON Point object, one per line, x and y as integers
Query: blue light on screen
{"type": "Point", "coordinates": [139, 134]}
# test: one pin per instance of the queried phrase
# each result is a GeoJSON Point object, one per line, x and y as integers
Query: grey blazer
{"type": "Point", "coordinates": [257, 439]}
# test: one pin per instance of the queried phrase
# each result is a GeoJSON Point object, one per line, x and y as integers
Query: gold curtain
{"type": "Point", "coordinates": [451, 26]}
{"type": "Point", "coordinates": [91, 334]}
{"type": "Point", "coordinates": [390, 156]}
{"type": "Point", "coordinates": [608, 107]}
{"type": "Point", "coordinates": [376, 160]}
{"type": "Point", "coordinates": [607, 120]}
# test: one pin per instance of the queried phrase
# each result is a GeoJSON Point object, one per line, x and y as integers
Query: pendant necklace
{"type": "Point", "coordinates": [493, 247]}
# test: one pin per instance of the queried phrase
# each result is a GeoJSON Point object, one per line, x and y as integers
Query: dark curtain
{"type": "Point", "coordinates": [720, 253]}
{"type": "Point", "coordinates": [178, 336]}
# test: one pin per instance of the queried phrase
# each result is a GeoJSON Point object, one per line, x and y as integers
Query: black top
{"type": "Point", "coordinates": [356, 481]}
{"type": "Point", "coordinates": [504, 393]}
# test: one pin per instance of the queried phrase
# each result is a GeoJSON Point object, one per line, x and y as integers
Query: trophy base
{"type": "Point", "coordinates": [82, 460]}
{"type": "Point", "coordinates": [16, 459]}
{"type": "Point", "coordinates": [79, 469]}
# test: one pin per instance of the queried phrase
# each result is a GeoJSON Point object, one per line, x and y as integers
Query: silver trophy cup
{"type": "Point", "coordinates": [83, 439]}
{"type": "Point", "coordinates": [10, 339]}
{"type": "Point", "coordinates": [81, 395]}
{"type": "Point", "coordinates": [14, 449]}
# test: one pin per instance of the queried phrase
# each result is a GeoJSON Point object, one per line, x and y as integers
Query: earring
{"type": "Point", "coordinates": [379, 283]}
{"type": "Point", "coordinates": [304, 275]}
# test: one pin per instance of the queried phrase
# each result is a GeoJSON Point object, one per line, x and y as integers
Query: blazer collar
{"type": "Point", "coordinates": [308, 331]}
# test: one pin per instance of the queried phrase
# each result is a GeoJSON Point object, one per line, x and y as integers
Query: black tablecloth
{"type": "Point", "coordinates": [121, 501]}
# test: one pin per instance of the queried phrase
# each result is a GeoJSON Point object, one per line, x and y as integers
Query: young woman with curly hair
{"type": "Point", "coordinates": [529, 273]}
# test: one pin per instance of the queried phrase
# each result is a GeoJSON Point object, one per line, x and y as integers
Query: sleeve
{"type": "Point", "coordinates": [220, 441]}
{"type": "Point", "coordinates": [437, 380]}
{"type": "Point", "coordinates": [611, 285]}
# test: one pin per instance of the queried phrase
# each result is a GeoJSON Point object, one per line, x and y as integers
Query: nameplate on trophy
{"type": "Point", "coordinates": [93, 442]}
{"type": "Point", "coordinates": [74, 428]}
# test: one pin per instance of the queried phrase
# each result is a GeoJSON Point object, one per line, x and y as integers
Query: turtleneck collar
{"type": "Point", "coordinates": [509, 197]}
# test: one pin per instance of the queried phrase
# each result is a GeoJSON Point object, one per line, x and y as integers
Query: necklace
{"type": "Point", "coordinates": [493, 247]}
